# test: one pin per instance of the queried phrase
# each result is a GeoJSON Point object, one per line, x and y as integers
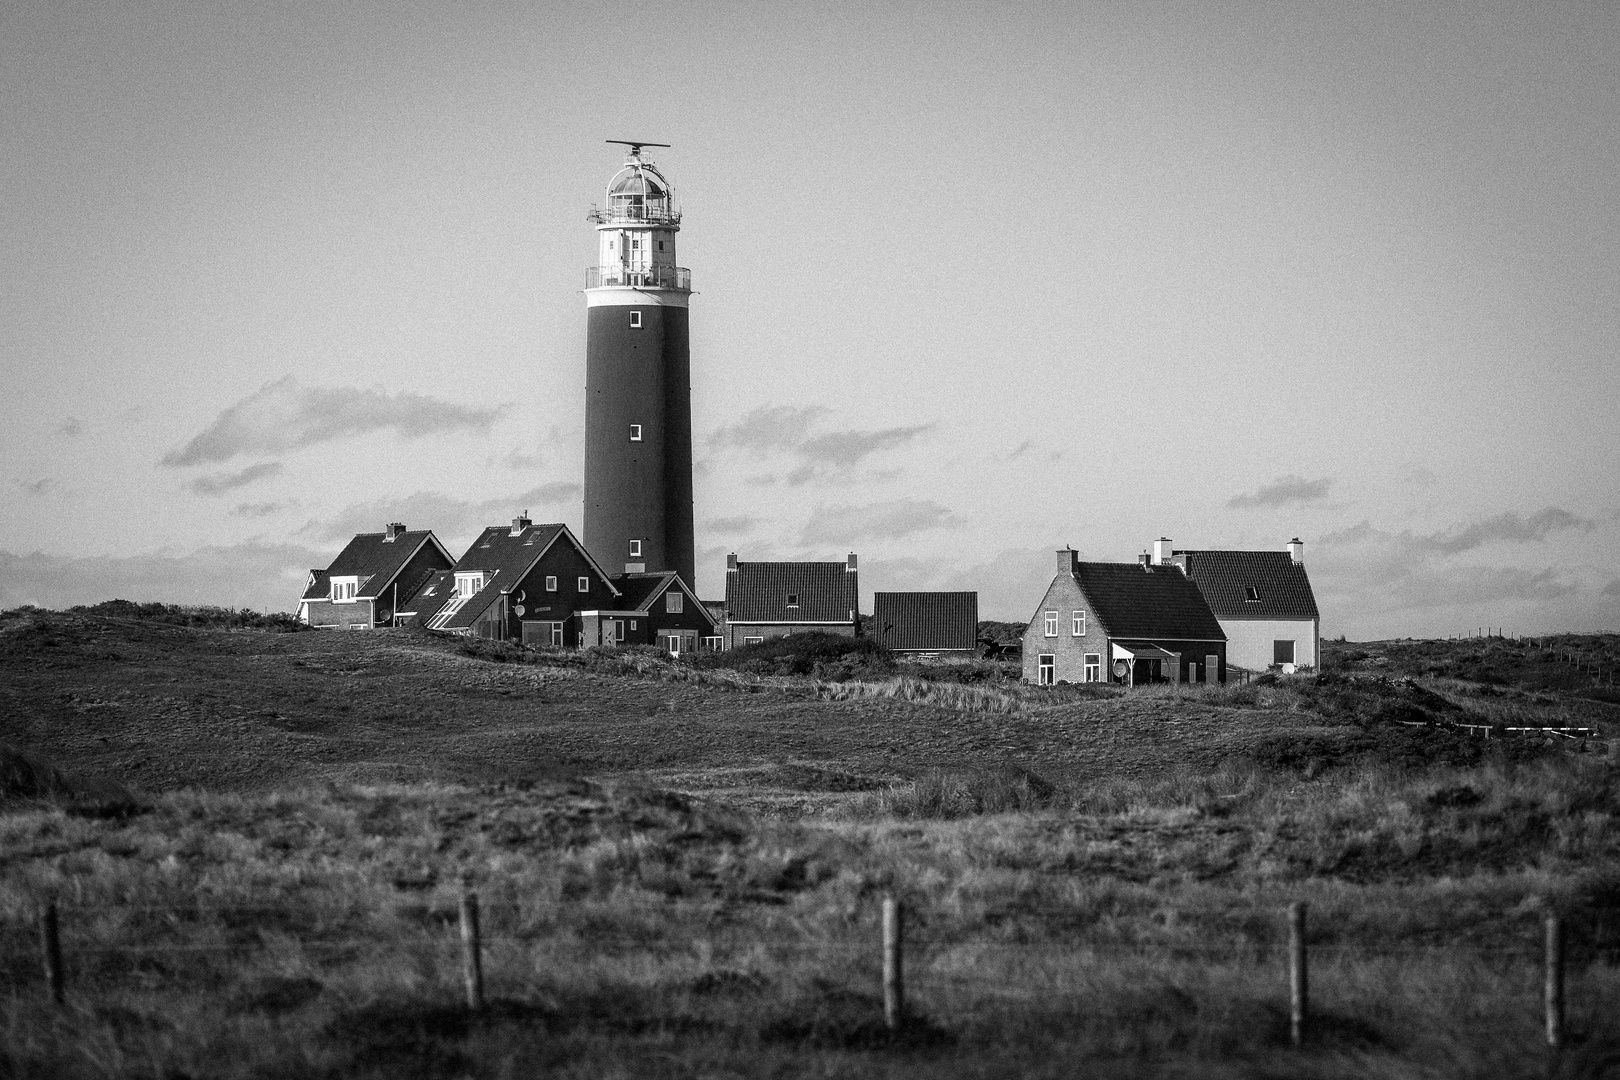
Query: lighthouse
{"type": "Point", "coordinates": [638, 395]}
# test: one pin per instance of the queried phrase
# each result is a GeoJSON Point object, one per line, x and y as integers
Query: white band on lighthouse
{"type": "Point", "coordinates": [626, 296]}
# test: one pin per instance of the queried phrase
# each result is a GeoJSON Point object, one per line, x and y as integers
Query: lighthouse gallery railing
{"type": "Point", "coordinates": [652, 277]}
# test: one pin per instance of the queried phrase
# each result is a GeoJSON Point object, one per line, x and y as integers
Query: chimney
{"type": "Point", "coordinates": [1296, 550]}
{"type": "Point", "coordinates": [1067, 557]}
{"type": "Point", "coordinates": [391, 533]}
{"type": "Point", "coordinates": [1145, 561]}
{"type": "Point", "coordinates": [1161, 551]}
{"type": "Point", "coordinates": [731, 563]}
{"type": "Point", "coordinates": [520, 523]}
{"type": "Point", "coordinates": [849, 567]}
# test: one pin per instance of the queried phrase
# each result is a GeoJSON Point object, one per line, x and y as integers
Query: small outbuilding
{"type": "Point", "coordinates": [942, 624]}
{"type": "Point", "coordinates": [1123, 623]}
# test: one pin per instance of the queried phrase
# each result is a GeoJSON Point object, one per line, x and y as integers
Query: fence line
{"type": "Point", "coordinates": [893, 943]}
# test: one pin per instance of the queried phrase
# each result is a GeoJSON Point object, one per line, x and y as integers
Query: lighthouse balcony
{"type": "Point", "coordinates": [635, 213]}
{"type": "Point", "coordinates": [650, 277]}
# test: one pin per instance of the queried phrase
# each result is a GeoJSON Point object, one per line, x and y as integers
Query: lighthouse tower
{"type": "Point", "coordinates": [638, 395]}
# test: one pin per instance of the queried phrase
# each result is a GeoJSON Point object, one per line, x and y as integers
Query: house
{"type": "Point", "coordinates": [1263, 600]}
{"type": "Point", "coordinates": [524, 583]}
{"type": "Point", "coordinates": [1122, 622]}
{"type": "Point", "coordinates": [372, 580]}
{"type": "Point", "coordinates": [652, 609]}
{"type": "Point", "coordinates": [927, 623]}
{"type": "Point", "coordinates": [773, 599]}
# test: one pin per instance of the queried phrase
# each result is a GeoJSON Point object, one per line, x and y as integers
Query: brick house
{"type": "Point", "coordinates": [651, 609]}
{"type": "Point", "coordinates": [927, 623]}
{"type": "Point", "coordinates": [372, 580]}
{"type": "Point", "coordinates": [1262, 599]}
{"type": "Point", "coordinates": [1127, 623]}
{"type": "Point", "coordinates": [524, 583]}
{"type": "Point", "coordinates": [774, 599]}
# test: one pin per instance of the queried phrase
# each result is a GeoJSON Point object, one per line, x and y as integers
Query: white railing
{"type": "Point", "coordinates": [651, 277]}
{"type": "Point", "coordinates": [658, 211]}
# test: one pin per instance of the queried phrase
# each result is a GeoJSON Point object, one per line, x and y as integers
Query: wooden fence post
{"type": "Point", "coordinates": [894, 979]}
{"type": "Point", "coordinates": [50, 948]}
{"type": "Point", "coordinates": [1554, 996]}
{"type": "Point", "coordinates": [472, 967]}
{"type": "Point", "coordinates": [1298, 976]}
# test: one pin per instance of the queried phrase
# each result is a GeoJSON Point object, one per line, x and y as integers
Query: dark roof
{"type": "Point", "coordinates": [317, 588]}
{"type": "Point", "coordinates": [926, 620]}
{"type": "Point", "coordinates": [759, 591]}
{"type": "Point", "coordinates": [376, 560]}
{"type": "Point", "coordinates": [432, 594]}
{"type": "Point", "coordinates": [1223, 576]}
{"type": "Point", "coordinates": [505, 558]}
{"type": "Point", "coordinates": [637, 591]}
{"type": "Point", "coordinates": [1156, 603]}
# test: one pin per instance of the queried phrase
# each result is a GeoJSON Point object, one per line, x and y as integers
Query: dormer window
{"type": "Point", "coordinates": [1250, 593]}
{"type": "Point", "coordinates": [344, 588]}
{"type": "Point", "coordinates": [469, 584]}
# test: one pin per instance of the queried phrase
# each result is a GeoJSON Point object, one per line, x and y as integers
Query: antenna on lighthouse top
{"type": "Point", "coordinates": [635, 147]}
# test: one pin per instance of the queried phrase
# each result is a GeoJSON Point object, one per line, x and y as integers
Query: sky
{"type": "Point", "coordinates": [973, 282]}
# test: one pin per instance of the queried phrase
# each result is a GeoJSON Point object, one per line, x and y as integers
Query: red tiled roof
{"type": "Point", "coordinates": [1157, 603]}
{"type": "Point", "coordinates": [1224, 577]}
{"type": "Point", "coordinates": [758, 592]}
{"type": "Point", "coordinates": [926, 621]}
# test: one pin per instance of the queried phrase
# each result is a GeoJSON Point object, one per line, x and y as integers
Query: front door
{"type": "Point", "coordinates": [1045, 669]}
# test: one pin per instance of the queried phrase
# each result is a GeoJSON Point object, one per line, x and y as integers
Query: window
{"type": "Point", "coordinates": [469, 584]}
{"type": "Point", "coordinates": [1051, 624]}
{"type": "Point", "coordinates": [1045, 668]}
{"type": "Point", "coordinates": [714, 644]}
{"type": "Point", "coordinates": [632, 624]}
{"type": "Point", "coordinates": [635, 320]}
{"type": "Point", "coordinates": [635, 245]}
{"type": "Point", "coordinates": [343, 589]}
{"type": "Point", "coordinates": [1093, 667]}
{"type": "Point", "coordinates": [635, 549]}
{"type": "Point", "coordinates": [635, 432]}
{"type": "Point", "coordinates": [1282, 652]}
{"type": "Point", "coordinates": [551, 583]}
{"type": "Point", "coordinates": [584, 584]}
{"type": "Point", "coordinates": [753, 641]}
{"type": "Point", "coordinates": [660, 245]}
{"type": "Point", "coordinates": [793, 599]}
{"type": "Point", "coordinates": [1079, 624]}
{"type": "Point", "coordinates": [1250, 593]}
{"type": "Point", "coordinates": [674, 602]}
{"type": "Point", "coordinates": [557, 634]}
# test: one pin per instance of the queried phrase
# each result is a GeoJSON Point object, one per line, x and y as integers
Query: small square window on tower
{"type": "Point", "coordinates": [635, 549]}
{"type": "Point", "coordinates": [660, 245]}
{"type": "Point", "coordinates": [635, 432]}
{"type": "Point", "coordinates": [635, 319]}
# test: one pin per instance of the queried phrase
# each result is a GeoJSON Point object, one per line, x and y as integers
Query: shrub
{"type": "Point", "coordinates": [221, 618]}
{"type": "Point", "coordinates": [836, 656]}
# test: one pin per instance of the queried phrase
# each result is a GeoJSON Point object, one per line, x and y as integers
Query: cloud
{"type": "Point", "coordinates": [846, 449]}
{"type": "Point", "coordinates": [444, 514]}
{"type": "Point", "coordinates": [884, 521]}
{"type": "Point", "coordinates": [219, 483]}
{"type": "Point", "coordinates": [263, 509]}
{"type": "Point", "coordinates": [285, 416]}
{"type": "Point", "coordinates": [1282, 491]}
{"type": "Point", "coordinates": [730, 524]}
{"type": "Point", "coordinates": [770, 427]}
{"type": "Point", "coordinates": [252, 575]}
{"type": "Point", "coordinates": [1021, 449]}
{"type": "Point", "coordinates": [71, 428]}
{"type": "Point", "coordinates": [1509, 528]}
{"type": "Point", "coordinates": [37, 487]}
{"type": "Point", "coordinates": [518, 458]}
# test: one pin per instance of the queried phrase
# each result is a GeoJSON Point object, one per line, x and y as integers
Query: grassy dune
{"type": "Point", "coordinates": [681, 869]}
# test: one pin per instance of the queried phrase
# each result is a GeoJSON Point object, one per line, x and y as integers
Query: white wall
{"type": "Point", "coordinates": [1248, 641]}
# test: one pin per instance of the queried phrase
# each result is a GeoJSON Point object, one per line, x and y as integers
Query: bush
{"type": "Point", "coordinates": [177, 615]}
{"type": "Point", "coordinates": [826, 656]}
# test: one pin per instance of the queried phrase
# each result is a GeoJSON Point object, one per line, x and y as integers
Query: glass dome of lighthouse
{"type": "Point", "coordinates": [639, 192]}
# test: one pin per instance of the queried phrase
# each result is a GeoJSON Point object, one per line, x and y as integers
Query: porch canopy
{"type": "Point", "coordinates": [1143, 650]}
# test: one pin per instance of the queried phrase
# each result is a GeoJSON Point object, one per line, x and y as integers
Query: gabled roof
{"type": "Point", "coordinates": [375, 561]}
{"type": "Point", "coordinates": [759, 591]}
{"type": "Point", "coordinates": [1157, 603]}
{"type": "Point", "coordinates": [926, 620]}
{"type": "Point", "coordinates": [316, 586]}
{"type": "Point", "coordinates": [505, 558]}
{"type": "Point", "coordinates": [1224, 577]}
{"type": "Point", "coordinates": [432, 594]}
{"type": "Point", "coordinates": [639, 592]}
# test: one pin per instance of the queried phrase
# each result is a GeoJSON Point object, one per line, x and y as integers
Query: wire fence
{"type": "Point", "coordinates": [923, 954]}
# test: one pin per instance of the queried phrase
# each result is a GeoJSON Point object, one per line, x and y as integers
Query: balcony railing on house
{"type": "Point", "coordinates": [651, 277]}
